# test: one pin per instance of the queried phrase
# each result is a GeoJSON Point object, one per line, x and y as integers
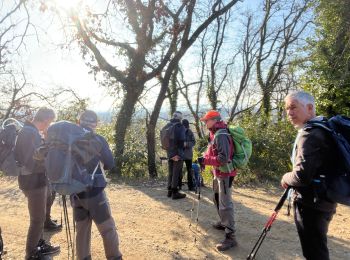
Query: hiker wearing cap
{"type": "Point", "coordinates": [189, 143]}
{"type": "Point", "coordinates": [93, 205]}
{"type": "Point", "coordinates": [313, 156]}
{"type": "Point", "coordinates": [33, 181]}
{"type": "Point", "coordinates": [218, 154]}
{"type": "Point", "coordinates": [175, 154]}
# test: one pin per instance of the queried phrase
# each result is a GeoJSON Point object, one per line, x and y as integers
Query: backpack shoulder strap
{"type": "Point", "coordinates": [321, 124]}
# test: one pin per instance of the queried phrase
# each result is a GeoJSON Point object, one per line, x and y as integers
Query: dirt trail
{"type": "Point", "coordinates": [152, 226]}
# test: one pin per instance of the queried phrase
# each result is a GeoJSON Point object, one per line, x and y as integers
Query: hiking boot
{"type": "Point", "coordinates": [227, 243]}
{"type": "Point", "coordinates": [177, 195]}
{"type": "Point", "coordinates": [46, 248]}
{"type": "Point", "coordinates": [170, 192]}
{"type": "Point", "coordinates": [52, 226]}
{"type": "Point", "coordinates": [218, 226]}
{"type": "Point", "coordinates": [35, 255]}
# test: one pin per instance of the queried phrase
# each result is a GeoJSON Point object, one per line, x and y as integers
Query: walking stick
{"type": "Point", "coordinates": [268, 225]}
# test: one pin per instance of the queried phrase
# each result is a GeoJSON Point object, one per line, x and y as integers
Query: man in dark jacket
{"type": "Point", "coordinates": [93, 205]}
{"type": "Point", "coordinates": [190, 142]}
{"type": "Point", "coordinates": [219, 154]}
{"type": "Point", "coordinates": [176, 156]}
{"type": "Point", "coordinates": [313, 156]}
{"type": "Point", "coordinates": [33, 181]}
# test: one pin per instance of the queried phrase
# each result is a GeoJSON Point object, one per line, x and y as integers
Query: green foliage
{"type": "Point", "coordinates": [135, 150]}
{"type": "Point", "coordinates": [328, 76]}
{"type": "Point", "coordinates": [72, 111]}
{"type": "Point", "coordinates": [272, 145]}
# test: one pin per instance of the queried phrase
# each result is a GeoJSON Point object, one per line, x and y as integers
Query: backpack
{"type": "Point", "coordinates": [8, 138]}
{"type": "Point", "coordinates": [242, 146]}
{"type": "Point", "coordinates": [69, 150]}
{"type": "Point", "coordinates": [338, 183]}
{"type": "Point", "coordinates": [167, 135]}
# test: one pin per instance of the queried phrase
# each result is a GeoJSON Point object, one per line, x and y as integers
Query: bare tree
{"type": "Point", "coordinates": [14, 24]}
{"type": "Point", "coordinates": [214, 83]}
{"type": "Point", "coordinates": [276, 41]}
{"type": "Point", "coordinates": [19, 97]}
{"type": "Point", "coordinates": [247, 54]}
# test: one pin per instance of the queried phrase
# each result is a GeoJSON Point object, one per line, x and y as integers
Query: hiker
{"type": "Point", "coordinates": [188, 154]}
{"type": "Point", "coordinates": [219, 154]}
{"type": "Point", "coordinates": [93, 205]}
{"type": "Point", "coordinates": [175, 155]}
{"type": "Point", "coordinates": [313, 155]}
{"type": "Point", "coordinates": [33, 181]}
{"type": "Point", "coordinates": [196, 173]}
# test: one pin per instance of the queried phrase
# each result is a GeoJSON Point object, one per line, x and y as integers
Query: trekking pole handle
{"type": "Point", "coordinates": [282, 199]}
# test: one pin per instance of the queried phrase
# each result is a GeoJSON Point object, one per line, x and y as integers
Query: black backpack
{"type": "Point", "coordinates": [337, 183]}
{"type": "Point", "coordinates": [8, 138]}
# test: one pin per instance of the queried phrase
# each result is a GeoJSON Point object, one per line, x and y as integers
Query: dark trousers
{"type": "Point", "coordinates": [312, 226]}
{"type": "Point", "coordinates": [189, 174]}
{"type": "Point", "coordinates": [175, 171]}
{"type": "Point", "coordinates": [37, 209]}
{"type": "Point", "coordinates": [51, 195]}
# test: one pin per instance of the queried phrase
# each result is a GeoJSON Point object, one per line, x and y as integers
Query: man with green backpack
{"type": "Point", "coordinates": [228, 149]}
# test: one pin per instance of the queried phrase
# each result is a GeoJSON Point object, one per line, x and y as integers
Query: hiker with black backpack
{"type": "Point", "coordinates": [172, 138]}
{"type": "Point", "coordinates": [190, 142]}
{"type": "Point", "coordinates": [93, 205]}
{"type": "Point", "coordinates": [219, 154]}
{"type": "Point", "coordinates": [314, 158]}
{"type": "Point", "coordinates": [33, 181]}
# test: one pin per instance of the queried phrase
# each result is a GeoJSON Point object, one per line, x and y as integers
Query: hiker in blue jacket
{"type": "Point", "coordinates": [93, 205]}
{"type": "Point", "coordinates": [33, 181]}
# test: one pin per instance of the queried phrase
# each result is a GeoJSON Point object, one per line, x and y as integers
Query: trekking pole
{"type": "Point", "coordinates": [268, 225]}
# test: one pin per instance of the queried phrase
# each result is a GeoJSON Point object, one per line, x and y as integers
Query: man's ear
{"type": "Point", "coordinates": [310, 108]}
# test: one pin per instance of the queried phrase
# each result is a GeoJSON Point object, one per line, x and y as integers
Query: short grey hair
{"type": "Point", "coordinates": [43, 114]}
{"type": "Point", "coordinates": [303, 97]}
{"type": "Point", "coordinates": [177, 115]}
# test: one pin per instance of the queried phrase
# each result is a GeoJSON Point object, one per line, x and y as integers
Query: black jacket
{"type": "Point", "coordinates": [316, 155]}
{"type": "Point", "coordinates": [190, 143]}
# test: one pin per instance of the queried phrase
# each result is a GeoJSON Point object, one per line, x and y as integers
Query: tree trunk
{"type": "Point", "coordinates": [151, 149]}
{"type": "Point", "coordinates": [123, 121]}
{"type": "Point", "coordinates": [266, 104]}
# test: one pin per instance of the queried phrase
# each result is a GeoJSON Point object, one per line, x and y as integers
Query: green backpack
{"type": "Point", "coordinates": [242, 148]}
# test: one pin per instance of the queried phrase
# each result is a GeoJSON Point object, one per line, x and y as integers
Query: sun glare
{"type": "Point", "coordinates": [68, 4]}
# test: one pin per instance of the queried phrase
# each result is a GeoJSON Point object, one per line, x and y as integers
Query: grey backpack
{"type": "Point", "coordinates": [8, 138]}
{"type": "Point", "coordinates": [69, 150]}
{"type": "Point", "coordinates": [167, 135]}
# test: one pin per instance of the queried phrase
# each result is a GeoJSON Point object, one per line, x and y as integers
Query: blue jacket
{"type": "Point", "coordinates": [177, 147]}
{"type": "Point", "coordinates": [107, 160]}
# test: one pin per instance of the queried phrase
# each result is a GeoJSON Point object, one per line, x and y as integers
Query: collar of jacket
{"type": "Point", "coordinates": [218, 125]}
{"type": "Point", "coordinates": [175, 120]}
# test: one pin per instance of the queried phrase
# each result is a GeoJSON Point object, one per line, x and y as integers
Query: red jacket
{"type": "Point", "coordinates": [220, 150]}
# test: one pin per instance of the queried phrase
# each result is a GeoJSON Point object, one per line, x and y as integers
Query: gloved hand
{"type": "Point", "coordinates": [201, 162]}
